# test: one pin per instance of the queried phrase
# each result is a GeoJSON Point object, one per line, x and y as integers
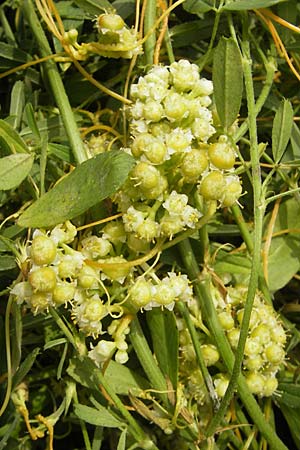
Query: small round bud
{"type": "Point", "coordinates": [194, 164]}
{"type": "Point", "coordinates": [63, 293]}
{"type": "Point", "coordinates": [140, 293]}
{"type": "Point", "coordinates": [42, 279]}
{"type": "Point", "coordinates": [232, 191]}
{"type": "Point", "coordinates": [94, 310]}
{"type": "Point", "coordinates": [212, 186]}
{"type": "Point", "coordinates": [221, 384]}
{"type": "Point", "coordinates": [87, 277]}
{"type": "Point", "coordinates": [255, 382]}
{"type": "Point", "coordinates": [112, 22]}
{"type": "Point", "coordinates": [275, 354]}
{"type": "Point", "coordinates": [221, 155]}
{"type": "Point", "coordinates": [145, 176]}
{"type": "Point", "coordinates": [43, 250]}
{"type": "Point", "coordinates": [39, 301]}
{"type": "Point", "coordinates": [210, 354]}
{"type": "Point", "coordinates": [270, 386]}
{"type": "Point", "coordinates": [121, 357]}
{"type": "Point", "coordinates": [226, 320]}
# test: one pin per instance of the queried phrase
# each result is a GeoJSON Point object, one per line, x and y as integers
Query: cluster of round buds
{"type": "Point", "coordinates": [264, 350]}
{"type": "Point", "coordinates": [177, 152]}
{"type": "Point", "coordinates": [56, 275]}
{"type": "Point", "coordinates": [117, 347]}
{"type": "Point", "coordinates": [147, 294]}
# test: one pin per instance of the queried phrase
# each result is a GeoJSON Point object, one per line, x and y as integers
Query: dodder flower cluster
{"type": "Point", "coordinates": [177, 153]}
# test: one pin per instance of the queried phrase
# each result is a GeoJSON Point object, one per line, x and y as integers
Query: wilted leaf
{"type": "Point", "coordinates": [227, 80]}
{"type": "Point", "coordinates": [14, 169]}
{"type": "Point", "coordinates": [88, 184]}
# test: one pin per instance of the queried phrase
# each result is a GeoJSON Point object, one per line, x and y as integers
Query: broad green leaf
{"type": "Point", "coordinates": [88, 184]}
{"type": "Point", "coordinates": [94, 6]}
{"type": "Point", "coordinates": [12, 142]}
{"type": "Point", "coordinates": [283, 257]}
{"type": "Point", "coordinates": [99, 417]}
{"type": "Point", "coordinates": [25, 367]}
{"type": "Point", "coordinates": [198, 6]}
{"type": "Point", "coordinates": [164, 333]}
{"type": "Point", "coordinates": [124, 7]}
{"type": "Point", "coordinates": [10, 52]}
{"type": "Point", "coordinates": [14, 169]}
{"type": "Point", "coordinates": [228, 80]}
{"type": "Point", "coordinates": [289, 394]}
{"type": "Point", "coordinates": [17, 101]}
{"type": "Point", "coordinates": [282, 128]}
{"type": "Point", "coordinates": [240, 5]}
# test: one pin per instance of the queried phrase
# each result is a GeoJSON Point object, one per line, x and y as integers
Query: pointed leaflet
{"type": "Point", "coordinates": [227, 80]}
{"type": "Point", "coordinates": [88, 184]}
{"type": "Point", "coordinates": [10, 139]}
{"type": "Point", "coordinates": [282, 129]}
{"type": "Point", "coordinates": [99, 417]}
{"type": "Point", "coordinates": [164, 334]}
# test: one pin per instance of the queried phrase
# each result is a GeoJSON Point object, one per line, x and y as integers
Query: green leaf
{"type": "Point", "coordinates": [25, 367]}
{"type": "Point", "coordinates": [122, 440]}
{"type": "Point", "coordinates": [282, 129]}
{"type": "Point", "coordinates": [121, 379]}
{"type": "Point", "coordinates": [29, 112]}
{"type": "Point", "coordinates": [285, 249]}
{"type": "Point", "coordinates": [14, 169]}
{"type": "Point", "coordinates": [292, 417]}
{"type": "Point", "coordinates": [99, 417]}
{"type": "Point", "coordinates": [7, 262]}
{"type": "Point", "coordinates": [17, 103]}
{"type": "Point", "coordinates": [88, 184]}
{"type": "Point", "coordinates": [240, 5]}
{"type": "Point", "coordinates": [198, 6]}
{"type": "Point", "coordinates": [94, 6]}
{"type": "Point", "coordinates": [228, 80]}
{"type": "Point", "coordinates": [289, 394]}
{"type": "Point", "coordinates": [164, 335]}
{"type": "Point", "coordinates": [11, 140]}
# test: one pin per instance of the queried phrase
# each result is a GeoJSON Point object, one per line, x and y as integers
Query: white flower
{"type": "Point", "coordinates": [184, 75]}
{"type": "Point", "coordinates": [23, 292]}
{"type": "Point", "coordinates": [175, 203]}
{"type": "Point", "coordinates": [190, 216]}
{"type": "Point", "coordinates": [103, 351]}
{"type": "Point", "coordinates": [132, 219]}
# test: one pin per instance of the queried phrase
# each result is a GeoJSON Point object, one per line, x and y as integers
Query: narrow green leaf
{"type": "Point", "coordinates": [14, 169]}
{"type": "Point", "coordinates": [99, 417]}
{"type": "Point", "coordinates": [17, 101]}
{"type": "Point", "coordinates": [122, 440]}
{"type": "Point", "coordinates": [282, 129]}
{"type": "Point", "coordinates": [164, 335]}
{"type": "Point", "coordinates": [10, 52]}
{"type": "Point", "coordinates": [25, 367]}
{"type": "Point", "coordinates": [29, 112]}
{"type": "Point", "coordinates": [11, 140]}
{"type": "Point", "coordinates": [198, 6]}
{"type": "Point", "coordinates": [241, 5]}
{"type": "Point", "coordinates": [227, 80]}
{"type": "Point", "coordinates": [292, 417]}
{"type": "Point", "coordinates": [289, 394]}
{"type": "Point", "coordinates": [88, 184]}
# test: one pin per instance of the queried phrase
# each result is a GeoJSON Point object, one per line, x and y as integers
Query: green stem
{"type": "Point", "coordinates": [149, 21]}
{"type": "Point", "coordinates": [193, 333]}
{"type": "Point", "coordinates": [56, 83]}
{"type": "Point", "coordinates": [202, 63]}
{"type": "Point", "coordinates": [147, 361]}
{"type": "Point", "coordinates": [202, 290]}
{"type": "Point", "coordinates": [8, 355]}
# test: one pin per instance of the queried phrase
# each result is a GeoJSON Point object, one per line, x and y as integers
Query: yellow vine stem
{"type": "Point", "coordinates": [268, 239]}
{"type": "Point", "coordinates": [162, 33]}
{"type": "Point", "coordinates": [277, 41]}
{"type": "Point", "coordinates": [279, 20]}
{"type": "Point", "coordinates": [136, 262]}
{"type": "Point", "coordinates": [98, 222]}
{"type": "Point", "coordinates": [29, 64]}
{"type": "Point", "coordinates": [103, 127]}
